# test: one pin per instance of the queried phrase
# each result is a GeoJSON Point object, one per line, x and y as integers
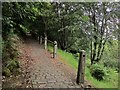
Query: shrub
{"type": "Point", "coordinates": [110, 55]}
{"type": "Point", "coordinates": [110, 63]}
{"type": "Point", "coordinates": [6, 72]}
{"type": "Point", "coordinates": [97, 72]}
{"type": "Point", "coordinates": [13, 64]}
{"type": "Point", "coordinates": [10, 54]}
{"type": "Point", "coordinates": [10, 66]}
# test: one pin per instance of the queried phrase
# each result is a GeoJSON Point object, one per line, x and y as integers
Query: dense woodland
{"type": "Point", "coordinates": [93, 27]}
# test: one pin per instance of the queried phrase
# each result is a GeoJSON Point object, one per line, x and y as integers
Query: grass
{"type": "Point", "coordinates": [113, 83]}
{"type": "Point", "coordinates": [67, 57]}
{"type": "Point", "coordinates": [70, 59]}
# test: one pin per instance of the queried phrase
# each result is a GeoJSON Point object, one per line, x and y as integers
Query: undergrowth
{"type": "Point", "coordinates": [9, 55]}
{"type": "Point", "coordinates": [110, 78]}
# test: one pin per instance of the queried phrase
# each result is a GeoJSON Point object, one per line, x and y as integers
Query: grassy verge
{"type": "Point", "coordinates": [67, 57]}
{"type": "Point", "coordinates": [112, 83]}
{"type": "Point", "coordinates": [70, 59]}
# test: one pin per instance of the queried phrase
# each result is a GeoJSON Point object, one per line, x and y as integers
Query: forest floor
{"type": "Point", "coordinates": [40, 70]}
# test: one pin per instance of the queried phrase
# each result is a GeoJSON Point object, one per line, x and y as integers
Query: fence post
{"type": "Point", "coordinates": [45, 42]}
{"type": "Point", "coordinates": [81, 68]}
{"type": "Point", "coordinates": [40, 39]}
{"type": "Point", "coordinates": [55, 49]}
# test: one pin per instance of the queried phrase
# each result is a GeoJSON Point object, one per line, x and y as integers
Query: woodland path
{"type": "Point", "coordinates": [42, 71]}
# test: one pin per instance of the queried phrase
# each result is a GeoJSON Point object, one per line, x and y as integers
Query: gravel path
{"type": "Point", "coordinates": [45, 72]}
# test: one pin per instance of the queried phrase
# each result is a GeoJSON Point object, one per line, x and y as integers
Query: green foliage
{"type": "Point", "coordinates": [97, 72]}
{"type": "Point", "coordinates": [110, 56]}
{"type": "Point", "coordinates": [10, 54]}
{"type": "Point", "coordinates": [85, 18]}
{"type": "Point", "coordinates": [12, 64]}
{"type": "Point", "coordinates": [10, 67]}
{"type": "Point", "coordinates": [25, 30]}
{"type": "Point", "coordinates": [70, 24]}
{"type": "Point", "coordinates": [6, 72]}
{"type": "Point", "coordinates": [10, 47]}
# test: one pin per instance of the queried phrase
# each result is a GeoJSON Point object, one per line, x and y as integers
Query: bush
{"type": "Point", "coordinates": [13, 64]}
{"type": "Point", "coordinates": [111, 63]}
{"type": "Point", "coordinates": [10, 67]}
{"type": "Point", "coordinates": [10, 54]}
{"type": "Point", "coordinates": [110, 55]}
{"type": "Point", "coordinates": [97, 72]}
{"type": "Point", "coordinates": [6, 72]}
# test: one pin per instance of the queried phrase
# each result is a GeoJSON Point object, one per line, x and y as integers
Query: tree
{"type": "Point", "coordinates": [102, 22]}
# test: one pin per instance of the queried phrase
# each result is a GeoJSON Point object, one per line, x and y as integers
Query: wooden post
{"type": "Point", "coordinates": [81, 68]}
{"type": "Point", "coordinates": [55, 49]}
{"type": "Point", "coordinates": [40, 39]}
{"type": "Point", "coordinates": [45, 42]}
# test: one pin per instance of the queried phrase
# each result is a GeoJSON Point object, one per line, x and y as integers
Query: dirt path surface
{"type": "Point", "coordinates": [42, 71]}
